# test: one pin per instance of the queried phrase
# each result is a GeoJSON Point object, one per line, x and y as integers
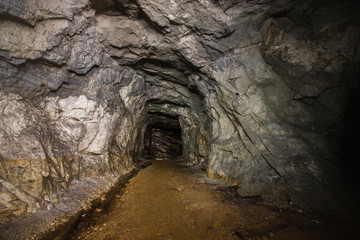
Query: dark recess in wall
{"type": "Point", "coordinates": [349, 153]}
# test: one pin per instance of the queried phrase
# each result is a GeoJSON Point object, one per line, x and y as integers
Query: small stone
{"type": "Point", "coordinates": [316, 221]}
{"type": "Point", "coordinates": [217, 224]}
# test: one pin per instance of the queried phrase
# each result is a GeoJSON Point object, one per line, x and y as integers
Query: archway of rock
{"type": "Point", "coordinates": [174, 119]}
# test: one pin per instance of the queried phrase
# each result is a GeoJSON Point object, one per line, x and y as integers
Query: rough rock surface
{"type": "Point", "coordinates": [257, 87]}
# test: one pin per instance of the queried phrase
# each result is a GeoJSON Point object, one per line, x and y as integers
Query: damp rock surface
{"type": "Point", "coordinates": [57, 219]}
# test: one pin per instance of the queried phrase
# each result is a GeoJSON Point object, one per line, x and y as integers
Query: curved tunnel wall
{"type": "Point", "coordinates": [257, 88]}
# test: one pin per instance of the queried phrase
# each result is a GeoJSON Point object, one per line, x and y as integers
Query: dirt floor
{"type": "Point", "coordinates": [169, 201]}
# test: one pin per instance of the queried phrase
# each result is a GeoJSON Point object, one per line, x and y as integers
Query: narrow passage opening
{"type": "Point", "coordinates": [163, 138]}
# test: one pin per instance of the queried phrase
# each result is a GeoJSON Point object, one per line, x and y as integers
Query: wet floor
{"type": "Point", "coordinates": [169, 201]}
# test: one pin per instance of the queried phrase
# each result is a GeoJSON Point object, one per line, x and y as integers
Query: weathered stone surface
{"type": "Point", "coordinates": [85, 53]}
{"type": "Point", "coordinates": [257, 87]}
{"type": "Point", "coordinates": [42, 152]}
{"type": "Point", "coordinates": [84, 120]}
{"type": "Point", "coordinates": [31, 12]}
{"type": "Point", "coordinates": [26, 42]}
{"type": "Point", "coordinates": [35, 161]}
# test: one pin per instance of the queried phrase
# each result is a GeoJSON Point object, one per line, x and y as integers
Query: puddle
{"type": "Point", "coordinates": [168, 201]}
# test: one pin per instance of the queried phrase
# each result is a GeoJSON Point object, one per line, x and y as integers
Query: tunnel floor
{"type": "Point", "coordinates": [169, 201]}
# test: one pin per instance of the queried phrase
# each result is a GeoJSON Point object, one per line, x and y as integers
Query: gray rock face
{"type": "Point", "coordinates": [255, 86]}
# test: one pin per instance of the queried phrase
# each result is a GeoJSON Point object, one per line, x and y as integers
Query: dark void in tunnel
{"type": "Point", "coordinates": [350, 155]}
{"type": "Point", "coordinates": [163, 137]}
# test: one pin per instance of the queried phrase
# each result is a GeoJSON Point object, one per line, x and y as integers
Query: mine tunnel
{"type": "Point", "coordinates": [157, 119]}
{"type": "Point", "coordinates": [163, 137]}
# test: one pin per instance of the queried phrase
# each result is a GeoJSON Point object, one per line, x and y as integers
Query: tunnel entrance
{"type": "Point", "coordinates": [163, 137]}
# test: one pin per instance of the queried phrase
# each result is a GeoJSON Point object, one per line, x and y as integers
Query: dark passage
{"type": "Point", "coordinates": [350, 155]}
{"type": "Point", "coordinates": [163, 137]}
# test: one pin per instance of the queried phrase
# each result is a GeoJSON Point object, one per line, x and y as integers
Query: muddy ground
{"type": "Point", "coordinates": [170, 201]}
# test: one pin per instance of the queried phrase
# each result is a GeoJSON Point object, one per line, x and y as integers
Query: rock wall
{"type": "Point", "coordinates": [258, 88]}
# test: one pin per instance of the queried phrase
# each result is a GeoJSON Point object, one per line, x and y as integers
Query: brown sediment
{"type": "Point", "coordinates": [168, 201]}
